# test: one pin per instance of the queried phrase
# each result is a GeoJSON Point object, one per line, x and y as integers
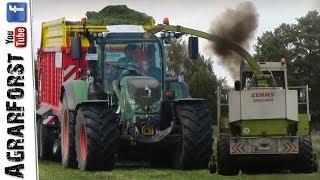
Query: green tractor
{"type": "Point", "coordinates": [132, 108]}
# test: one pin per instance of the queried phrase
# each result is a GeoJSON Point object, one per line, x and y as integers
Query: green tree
{"type": "Point", "coordinates": [199, 74]}
{"type": "Point", "coordinates": [299, 43]}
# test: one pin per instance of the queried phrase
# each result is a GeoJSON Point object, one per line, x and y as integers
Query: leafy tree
{"type": "Point", "coordinates": [199, 74]}
{"type": "Point", "coordinates": [300, 44]}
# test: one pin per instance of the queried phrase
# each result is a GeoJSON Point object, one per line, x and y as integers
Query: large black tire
{"type": "Point", "coordinates": [56, 150]}
{"type": "Point", "coordinates": [97, 136]}
{"type": "Point", "coordinates": [195, 150]}
{"type": "Point", "coordinates": [305, 159]}
{"type": "Point", "coordinates": [68, 152]}
{"type": "Point", "coordinates": [45, 141]}
{"type": "Point", "coordinates": [226, 163]}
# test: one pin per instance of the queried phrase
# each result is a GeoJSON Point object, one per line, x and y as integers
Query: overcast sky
{"type": "Point", "coordinates": [196, 14]}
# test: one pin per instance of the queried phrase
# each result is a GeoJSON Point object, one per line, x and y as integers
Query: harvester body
{"type": "Point", "coordinates": [264, 124]}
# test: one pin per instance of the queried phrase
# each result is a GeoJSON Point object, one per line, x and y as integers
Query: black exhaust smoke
{"type": "Point", "coordinates": [236, 25]}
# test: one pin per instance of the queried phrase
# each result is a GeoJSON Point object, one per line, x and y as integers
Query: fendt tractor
{"type": "Point", "coordinates": [104, 95]}
{"type": "Point", "coordinates": [263, 123]}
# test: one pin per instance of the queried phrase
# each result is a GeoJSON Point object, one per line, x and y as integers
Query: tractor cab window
{"type": "Point", "coordinates": [144, 57]}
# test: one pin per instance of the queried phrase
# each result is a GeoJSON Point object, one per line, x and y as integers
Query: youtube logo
{"type": "Point", "coordinates": [18, 37]}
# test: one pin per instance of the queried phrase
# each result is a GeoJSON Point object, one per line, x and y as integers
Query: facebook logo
{"type": "Point", "coordinates": [16, 12]}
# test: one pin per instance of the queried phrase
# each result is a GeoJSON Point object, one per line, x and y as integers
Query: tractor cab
{"type": "Point", "coordinates": [129, 57]}
{"type": "Point", "coordinates": [124, 67]}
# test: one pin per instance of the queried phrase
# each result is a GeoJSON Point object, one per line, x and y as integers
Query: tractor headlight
{"type": "Point", "coordinates": [135, 106]}
{"type": "Point", "coordinates": [156, 106]}
{"type": "Point", "coordinates": [90, 79]}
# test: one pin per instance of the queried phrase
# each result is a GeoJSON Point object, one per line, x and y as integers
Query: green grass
{"type": "Point", "coordinates": [54, 171]}
{"type": "Point", "coordinates": [136, 171]}
{"type": "Point", "coordinates": [51, 170]}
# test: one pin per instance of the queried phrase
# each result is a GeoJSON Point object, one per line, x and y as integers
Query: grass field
{"type": "Point", "coordinates": [54, 171]}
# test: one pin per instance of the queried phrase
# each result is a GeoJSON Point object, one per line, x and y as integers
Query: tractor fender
{"type": "Point", "coordinates": [93, 102]}
{"type": "Point", "coordinates": [187, 101]}
{"type": "Point", "coordinates": [67, 90]}
{"type": "Point", "coordinates": [75, 92]}
{"type": "Point", "coordinates": [104, 103]}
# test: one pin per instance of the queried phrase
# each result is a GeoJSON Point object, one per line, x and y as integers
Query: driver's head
{"type": "Point", "coordinates": [129, 49]}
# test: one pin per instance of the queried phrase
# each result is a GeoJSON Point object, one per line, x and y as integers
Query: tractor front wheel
{"type": "Point", "coordinates": [195, 149]}
{"type": "Point", "coordinates": [96, 138]}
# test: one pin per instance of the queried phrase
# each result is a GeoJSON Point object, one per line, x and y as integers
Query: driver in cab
{"type": "Point", "coordinates": [124, 62]}
{"type": "Point", "coordinates": [128, 60]}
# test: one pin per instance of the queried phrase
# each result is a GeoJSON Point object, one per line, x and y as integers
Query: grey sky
{"type": "Point", "coordinates": [190, 13]}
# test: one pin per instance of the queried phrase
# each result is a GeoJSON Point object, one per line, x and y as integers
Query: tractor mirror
{"type": "Point", "coordinates": [76, 48]}
{"type": "Point", "coordinates": [193, 47]}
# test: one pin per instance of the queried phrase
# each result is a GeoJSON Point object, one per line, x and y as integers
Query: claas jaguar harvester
{"type": "Point", "coordinates": [94, 110]}
{"type": "Point", "coordinates": [263, 123]}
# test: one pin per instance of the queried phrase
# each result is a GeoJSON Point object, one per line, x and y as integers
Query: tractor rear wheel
{"type": "Point", "coordinates": [195, 149]}
{"type": "Point", "coordinates": [45, 141]}
{"type": "Point", "coordinates": [226, 164]}
{"type": "Point", "coordinates": [68, 152]}
{"type": "Point", "coordinates": [97, 137]}
{"type": "Point", "coordinates": [305, 162]}
{"type": "Point", "coordinates": [56, 150]}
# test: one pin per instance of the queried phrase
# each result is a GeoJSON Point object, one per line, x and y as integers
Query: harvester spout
{"type": "Point", "coordinates": [211, 37]}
